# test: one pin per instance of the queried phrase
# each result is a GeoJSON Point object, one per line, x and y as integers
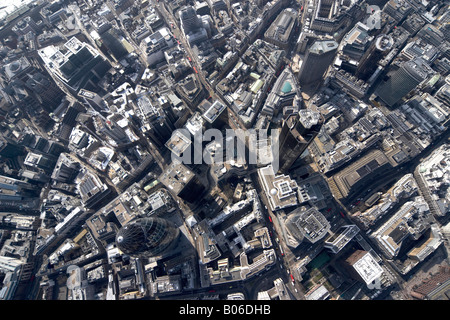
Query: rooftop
{"type": "Point", "coordinates": [368, 268]}
{"type": "Point", "coordinates": [280, 190]}
{"type": "Point", "coordinates": [178, 142]}
{"type": "Point", "coordinates": [176, 177]}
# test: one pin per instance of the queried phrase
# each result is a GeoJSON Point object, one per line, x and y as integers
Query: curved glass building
{"type": "Point", "coordinates": [147, 237]}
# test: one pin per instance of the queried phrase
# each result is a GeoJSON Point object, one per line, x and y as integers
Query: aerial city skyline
{"type": "Point", "coordinates": [225, 150]}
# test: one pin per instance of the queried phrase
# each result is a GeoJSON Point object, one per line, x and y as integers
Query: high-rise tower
{"type": "Point", "coordinates": [402, 81]}
{"type": "Point", "coordinates": [296, 134]}
{"type": "Point", "coordinates": [377, 50]}
{"type": "Point", "coordinates": [317, 60]}
{"type": "Point", "coordinates": [189, 20]}
{"type": "Point", "coordinates": [147, 237]}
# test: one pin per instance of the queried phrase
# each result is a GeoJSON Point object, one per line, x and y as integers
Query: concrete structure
{"type": "Point", "coordinates": [92, 190]}
{"type": "Point", "coordinates": [403, 80]}
{"type": "Point", "coordinates": [410, 219]}
{"type": "Point", "coordinates": [155, 44]}
{"type": "Point", "coordinates": [182, 182]}
{"type": "Point", "coordinates": [297, 132]}
{"type": "Point", "coordinates": [281, 190]}
{"type": "Point", "coordinates": [343, 183]}
{"type": "Point", "coordinates": [79, 65]}
{"type": "Point", "coordinates": [365, 267]}
{"type": "Point", "coordinates": [280, 31]}
{"type": "Point", "coordinates": [337, 241]}
{"type": "Point", "coordinates": [307, 224]}
{"type": "Point", "coordinates": [317, 60]}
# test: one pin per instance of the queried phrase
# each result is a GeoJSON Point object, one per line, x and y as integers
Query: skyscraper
{"type": "Point", "coordinates": [317, 60]}
{"type": "Point", "coordinates": [402, 81]}
{"type": "Point", "coordinates": [377, 50]}
{"type": "Point", "coordinates": [296, 134]}
{"type": "Point", "coordinates": [190, 22]}
{"type": "Point", "coordinates": [195, 28]}
{"type": "Point", "coordinates": [77, 65]}
{"type": "Point", "coordinates": [147, 236]}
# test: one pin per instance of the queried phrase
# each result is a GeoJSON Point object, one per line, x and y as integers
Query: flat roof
{"type": "Point", "coordinates": [178, 142]}
{"type": "Point", "coordinates": [176, 177]}
{"type": "Point", "coordinates": [214, 111]}
{"type": "Point", "coordinates": [281, 190]}
{"type": "Point", "coordinates": [368, 268]}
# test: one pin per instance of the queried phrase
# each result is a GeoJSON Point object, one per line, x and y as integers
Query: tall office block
{"type": "Point", "coordinates": [377, 50]}
{"type": "Point", "coordinates": [317, 60]}
{"type": "Point", "coordinates": [147, 237]}
{"type": "Point", "coordinates": [296, 134]}
{"type": "Point", "coordinates": [403, 80]}
{"type": "Point", "coordinates": [190, 22]}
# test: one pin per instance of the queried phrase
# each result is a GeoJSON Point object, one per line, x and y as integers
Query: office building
{"type": "Point", "coordinates": [195, 28]}
{"type": "Point", "coordinates": [281, 30]}
{"type": "Point", "coordinates": [307, 224]}
{"type": "Point", "coordinates": [26, 25]}
{"type": "Point", "coordinates": [39, 161]}
{"type": "Point", "coordinates": [92, 190]}
{"type": "Point", "coordinates": [112, 40]}
{"type": "Point", "coordinates": [433, 239]}
{"type": "Point", "coordinates": [332, 15]}
{"type": "Point", "coordinates": [337, 241]}
{"type": "Point", "coordinates": [432, 35]}
{"type": "Point", "coordinates": [92, 101]}
{"type": "Point", "coordinates": [216, 115]}
{"type": "Point", "coordinates": [356, 41]}
{"type": "Point", "coordinates": [402, 81]}
{"type": "Point", "coordinates": [409, 220]}
{"type": "Point", "coordinates": [182, 182]}
{"type": "Point", "coordinates": [66, 169]}
{"type": "Point", "coordinates": [77, 65]}
{"type": "Point", "coordinates": [365, 169]}
{"type": "Point", "coordinates": [190, 21]}
{"type": "Point", "coordinates": [317, 60]}
{"type": "Point", "coordinates": [297, 132]}
{"type": "Point", "coordinates": [377, 50]}
{"type": "Point", "coordinates": [364, 267]}
{"type": "Point", "coordinates": [154, 45]}
{"type": "Point", "coordinates": [148, 237]}
{"type": "Point", "coordinates": [280, 190]}
{"type": "Point", "coordinates": [285, 90]}
{"type": "Point", "coordinates": [179, 142]}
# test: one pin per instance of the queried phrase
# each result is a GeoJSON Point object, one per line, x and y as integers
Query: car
{"type": "Point", "coordinates": [270, 219]}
